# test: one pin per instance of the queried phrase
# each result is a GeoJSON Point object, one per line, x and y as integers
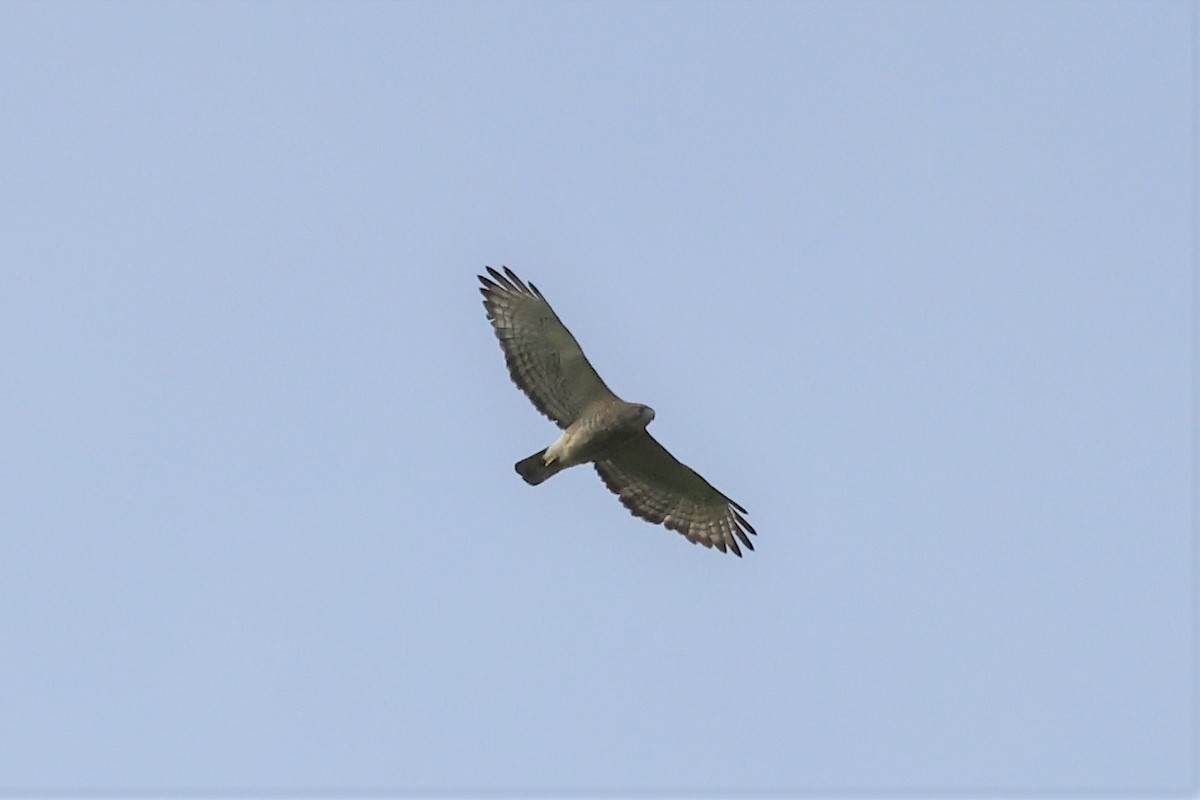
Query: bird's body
{"type": "Point", "coordinates": [599, 427]}
{"type": "Point", "coordinates": [598, 430]}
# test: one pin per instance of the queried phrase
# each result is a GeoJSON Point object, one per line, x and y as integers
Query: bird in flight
{"type": "Point", "coordinates": [599, 428]}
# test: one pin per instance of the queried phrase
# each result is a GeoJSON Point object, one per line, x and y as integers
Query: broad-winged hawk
{"type": "Point", "coordinates": [547, 364]}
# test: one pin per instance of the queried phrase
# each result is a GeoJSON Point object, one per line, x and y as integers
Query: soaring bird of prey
{"type": "Point", "coordinates": [547, 364]}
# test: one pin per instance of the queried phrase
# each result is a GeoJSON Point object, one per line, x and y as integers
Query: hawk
{"type": "Point", "coordinates": [599, 428]}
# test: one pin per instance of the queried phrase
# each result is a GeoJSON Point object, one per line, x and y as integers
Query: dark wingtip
{"type": "Point", "coordinates": [508, 281]}
{"type": "Point", "coordinates": [743, 523]}
{"type": "Point", "coordinates": [741, 534]}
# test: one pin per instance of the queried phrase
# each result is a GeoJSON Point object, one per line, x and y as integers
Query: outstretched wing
{"type": "Point", "coordinates": [655, 486]}
{"type": "Point", "coordinates": [543, 358]}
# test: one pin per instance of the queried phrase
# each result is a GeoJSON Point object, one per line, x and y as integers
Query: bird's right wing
{"type": "Point", "coordinates": [657, 487]}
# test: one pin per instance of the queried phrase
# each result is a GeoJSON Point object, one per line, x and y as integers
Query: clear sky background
{"type": "Point", "coordinates": [910, 281]}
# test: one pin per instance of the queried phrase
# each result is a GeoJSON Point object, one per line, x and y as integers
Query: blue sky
{"type": "Point", "coordinates": [910, 281]}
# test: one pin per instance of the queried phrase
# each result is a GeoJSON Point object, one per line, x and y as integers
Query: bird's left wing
{"type": "Point", "coordinates": [543, 357]}
{"type": "Point", "coordinates": [657, 487]}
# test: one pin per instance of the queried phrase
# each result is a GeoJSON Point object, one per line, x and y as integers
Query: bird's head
{"type": "Point", "coordinates": [645, 414]}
